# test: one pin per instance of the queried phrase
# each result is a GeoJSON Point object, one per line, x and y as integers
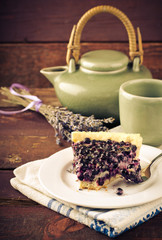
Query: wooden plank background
{"type": "Point", "coordinates": [52, 20]}
{"type": "Point", "coordinates": [34, 34]}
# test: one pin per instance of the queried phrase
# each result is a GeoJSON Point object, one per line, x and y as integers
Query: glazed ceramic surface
{"type": "Point", "coordinates": [141, 109]}
{"type": "Point", "coordinates": [92, 86]}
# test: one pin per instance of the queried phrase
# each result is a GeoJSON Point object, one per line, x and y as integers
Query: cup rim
{"type": "Point", "coordinates": [139, 80]}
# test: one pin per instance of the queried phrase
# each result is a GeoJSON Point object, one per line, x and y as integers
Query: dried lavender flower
{"type": "Point", "coordinates": [61, 119]}
{"type": "Point", "coordinates": [64, 122]}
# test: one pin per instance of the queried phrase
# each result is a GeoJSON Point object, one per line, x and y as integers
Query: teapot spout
{"type": "Point", "coordinates": [51, 73]}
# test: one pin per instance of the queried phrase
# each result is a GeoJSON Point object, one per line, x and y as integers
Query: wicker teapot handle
{"type": "Point", "coordinates": [73, 48]}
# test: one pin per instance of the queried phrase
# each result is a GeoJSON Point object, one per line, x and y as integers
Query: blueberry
{"type": "Point", "coordinates": [119, 191]}
{"type": "Point", "coordinates": [120, 157]}
{"type": "Point", "coordinates": [109, 141]}
{"type": "Point", "coordinates": [124, 172]}
{"type": "Point", "coordinates": [107, 176]}
{"type": "Point", "coordinates": [87, 140]}
{"type": "Point", "coordinates": [100, 181]}
{"type": "Point", "coordinates": [134, 148]}
{"type": "Point", "coordinates": [130, 165]}
{"type": "Point", "coordinates": [115, 165]}
{"type": "Point", "coordinates": [80, 177]}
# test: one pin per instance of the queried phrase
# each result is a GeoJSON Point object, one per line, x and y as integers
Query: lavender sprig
{"type": "Point", "coordinates": [64, 122]}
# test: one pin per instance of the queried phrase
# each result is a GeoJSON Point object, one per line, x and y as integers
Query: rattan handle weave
{"type": "Point", "coordinates": [74, 41]}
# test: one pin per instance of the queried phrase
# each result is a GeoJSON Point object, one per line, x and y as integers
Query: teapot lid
{"type": "Point", "coordinates": [104, 60]}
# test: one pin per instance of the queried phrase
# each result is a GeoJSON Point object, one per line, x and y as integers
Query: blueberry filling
{"type": "Point", "coordinates": [100, 160]}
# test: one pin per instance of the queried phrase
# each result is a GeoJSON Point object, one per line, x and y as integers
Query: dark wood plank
{"type": "Point", "coordinates": [26, 137]}
{"type": "Point", "coordinates": [38, 222]}
{"type": "Point", "coordinates": [6, 190]}
{"type": "Point", "coordinates": [52, 21]}
{"type": "Point", "coordinates": [22, 62]}
{"type": "Point", "coordinates": [17, 150]}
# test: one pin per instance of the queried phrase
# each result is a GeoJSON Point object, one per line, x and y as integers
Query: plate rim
{"type": "Point", "coordinates": [100, 206]}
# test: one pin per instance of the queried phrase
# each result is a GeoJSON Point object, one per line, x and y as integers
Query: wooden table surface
{"type": "Point", "coordinates": [26, 137]}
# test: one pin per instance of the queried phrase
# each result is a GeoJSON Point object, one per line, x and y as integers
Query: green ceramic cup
{"type": "Point", "coordinates": [140, 108]}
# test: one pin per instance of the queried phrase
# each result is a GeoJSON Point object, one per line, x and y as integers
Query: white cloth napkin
{"type": "Point", "coordinates": [109, 222]}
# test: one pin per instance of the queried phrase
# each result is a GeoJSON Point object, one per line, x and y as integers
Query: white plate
{"type": "Point", "coordinates": [62, 185]}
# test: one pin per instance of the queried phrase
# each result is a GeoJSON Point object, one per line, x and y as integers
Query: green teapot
{"type": "Point", "coordinates": [90, 85]}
